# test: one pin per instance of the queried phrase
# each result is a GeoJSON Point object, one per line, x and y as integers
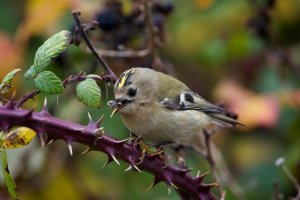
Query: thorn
{"type": "Point", "coordinates": [45, 102]}
{"type": "Point", "coordinates": [96, 140]}
{"type": "Point", "coordinates": [123, 141]}
{"type": "Point", "coordinates": [150, 187]}
{"type": "Point", "coordinates": [99, 121]}
{"type": "Point", "coordinates": [115, 159]}
{"type": "Point", "coordinates": [129, 168]}
{"type": "Point", "coordinates": [85, 151]}
{"type": "Point", "coordinates": [109, 160]}
{"type": "Point", "coordinates": [99, 132]}
{"type": "Point", "coordinates": [201, 177]}
{"type": "Point", "coordinates": [50, 141]}
{"type": "Point", "coordinates": [208, 186]}
{"type": "Point", "coordinates": [43, 138]}
{"type": "Point", "coordinates": [169, 190]}
{"type": "Point", "coordinates": [45, 109]}
{"type": "Point", "coordinates": [70, 147]}
{"type": "Point", "coordinates": [198, 174]}
{"type": "Point", "coordinates": [90, 117]}
{"type": "Point", "coordinates": [185, 171]}
{"type": "Point", "coordinates": [136, 168]}
{"type": "Point", "coordinates": [174, 186]}
{"type": "Point", "coordinates": [155, 181]}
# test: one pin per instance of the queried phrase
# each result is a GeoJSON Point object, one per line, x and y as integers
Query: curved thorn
{"type": "Point", "coordinates": [70, 148]}
{"type": "Point", "coordinates": [151, 186]}
{"type": "Point", "coordinates": [155, 181]}
{"type": "Point", "coordinates": [50, 141]}
{"type": "Point", "coordinates": [115, 159]}
{"type": "Point", "coordinates": [174, 186]}
{"type": "Point", "coordinates": [106, 163]}
{"type": "Point", "coordinates": [95, 141]}
{"type": "Point", "coordinates": [169, 190]}
{"type": "Point", "coordinates": [45, 109]}
{"type": "Point", "coordinates": [125, 140]}
{"type": "Point", "coordinates": [45, 103]}
{"type": "Point", "coordinates": [201, 177]}
{"type": "Point", "coordinates": [129, 168]}
{"type": "Point", "coordinates": [90, 117]}
{"type": "Point", "coordinates": [43, 138]}
{"type": "Point", "coordinates": [99, 132]}
{"type": "Point", "coordinates": [85, 151]}
{"type": "Point", "coordinates": [100, 119]}
{"type": "Point", "coordinates": [137, 169]}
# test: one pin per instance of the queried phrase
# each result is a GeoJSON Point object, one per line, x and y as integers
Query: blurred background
{"type": "Point", "coordinates": [245, 54]}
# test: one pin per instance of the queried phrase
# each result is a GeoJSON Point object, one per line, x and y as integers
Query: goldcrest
{"type": "Point", "coordinates": [162, 109]}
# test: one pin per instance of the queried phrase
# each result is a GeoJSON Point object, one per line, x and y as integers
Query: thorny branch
{"type": "Point", "coordinates": [51, 128]}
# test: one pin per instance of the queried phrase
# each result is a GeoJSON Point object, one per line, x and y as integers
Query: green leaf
{"type": "Point", "coordinates": [6, 82]}
{"type": "Point", "coordinates": [89, 93]}
{"type": "Point", "coordinates": [48, 82]}
{"type": "Point", "coordinates": [9, 181]}
{"type": "Point", "coordinates": [51, 48]}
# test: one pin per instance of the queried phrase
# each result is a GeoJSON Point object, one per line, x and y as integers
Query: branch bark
{"type": "Point", "coordinates": [52, 128]}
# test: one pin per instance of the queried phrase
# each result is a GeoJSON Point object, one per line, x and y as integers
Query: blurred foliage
{"type": "Point", "coordinates": [243, 53]}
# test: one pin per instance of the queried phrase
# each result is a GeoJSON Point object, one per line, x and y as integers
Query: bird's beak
{"type": "Point", "coordinates": [116, 106]}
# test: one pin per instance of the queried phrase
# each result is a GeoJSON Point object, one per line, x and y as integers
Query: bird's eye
{"type": "Point", "coordinates": [131, 92]}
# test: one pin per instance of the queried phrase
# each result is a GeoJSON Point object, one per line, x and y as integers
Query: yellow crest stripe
{"type": "Point", "coordinates": [123, 79]}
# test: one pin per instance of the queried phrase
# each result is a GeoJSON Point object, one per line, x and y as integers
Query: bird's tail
{"type": "Point", "coordinates": [225, 120]}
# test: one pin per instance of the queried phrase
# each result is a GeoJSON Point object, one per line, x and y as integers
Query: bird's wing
{"type": "Point", "coordinates": [189, 100]}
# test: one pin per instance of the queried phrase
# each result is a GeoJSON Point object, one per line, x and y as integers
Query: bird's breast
{"type": "Point", "coordinates": [157, 124]}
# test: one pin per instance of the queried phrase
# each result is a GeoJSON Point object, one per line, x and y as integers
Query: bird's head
{"type": "Point", "coordinates": [133, 88]}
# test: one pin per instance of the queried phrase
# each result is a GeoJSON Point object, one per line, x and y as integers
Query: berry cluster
{"type": "Point", "coordinates": [119, 28]}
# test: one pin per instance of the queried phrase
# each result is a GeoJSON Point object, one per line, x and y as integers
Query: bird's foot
{"type": "Point", "coordinates": [147, 150]}
{"type": "Point", "coordinates": [179, 153]}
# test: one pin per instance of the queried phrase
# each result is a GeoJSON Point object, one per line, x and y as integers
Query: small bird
{"type": "Point", "coordinates": [162, 109]}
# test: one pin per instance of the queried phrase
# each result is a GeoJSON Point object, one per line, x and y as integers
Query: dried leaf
{"type": "Point", "coordinates": [18, 138]}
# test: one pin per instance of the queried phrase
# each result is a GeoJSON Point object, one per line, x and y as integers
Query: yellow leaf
{"type": "Point", "coordinates": [18, 138]}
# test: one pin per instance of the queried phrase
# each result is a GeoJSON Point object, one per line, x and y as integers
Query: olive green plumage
{"type": "Point", "coordinates": [161, 108]}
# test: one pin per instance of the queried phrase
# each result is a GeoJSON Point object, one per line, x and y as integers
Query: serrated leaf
{"type": "Point", "coordinates": [89, 93]}
{"type": "Point", "coordinates": [9, 181]}
{"type": "Point", "coordinates": [48, 82]}
{"type": "Point", "coordinates": [18, 138]}
{"type": "Point", "coordinates": [6, 82]}
{"type": "Point", "coordinates": [51, 48]}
